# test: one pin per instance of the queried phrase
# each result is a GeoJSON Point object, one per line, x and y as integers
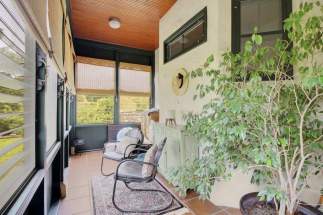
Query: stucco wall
{"type": "Point", "coordinates": [156, 78]}
{"type": "Point", "coordinates": [218, 41]}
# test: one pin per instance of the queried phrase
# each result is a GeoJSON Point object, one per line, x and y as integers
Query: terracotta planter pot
{"type": "Point", "coordinates": [250, 199]}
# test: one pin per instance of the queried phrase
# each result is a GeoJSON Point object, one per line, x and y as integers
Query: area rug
{"type": "Point", "coordinates": [102, 188]}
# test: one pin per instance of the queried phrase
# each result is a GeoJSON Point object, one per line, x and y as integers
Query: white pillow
{"type": "Point", "coordinates": [123, 144]}
{"type": "Point", "coordinates": [134, 133]}
{"type": "Point", "coordinates": [123, 132]}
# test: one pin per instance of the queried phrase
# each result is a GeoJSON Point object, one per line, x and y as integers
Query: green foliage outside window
{"type": "Point", "coordinates": [94, 109]}
{"type": "Point", "coordinates": [99, 109]}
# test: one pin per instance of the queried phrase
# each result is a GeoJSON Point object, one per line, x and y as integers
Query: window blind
{"type": "Point", "coordinates": [95, 78]}
{"type": "Point", "coordinates": [134, 79]}
{"type": "Point", "coordinates": [17, 100]}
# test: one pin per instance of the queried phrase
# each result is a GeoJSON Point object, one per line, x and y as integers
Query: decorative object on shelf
{"type": "Point", "coordinates": [170, 118]}
{"type": "Point", "coordinates": [180, 82]}
{"type": "Point", "coordinates": [153, 114]}
{"type": "Point", "coordinates": [60, 87]}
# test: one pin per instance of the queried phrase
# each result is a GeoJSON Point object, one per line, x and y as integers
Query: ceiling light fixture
{"type": "Point", "coordinates": [114, 22]}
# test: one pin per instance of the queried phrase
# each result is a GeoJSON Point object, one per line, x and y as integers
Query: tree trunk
{"type": "Point", "coordinates": [282, 208]}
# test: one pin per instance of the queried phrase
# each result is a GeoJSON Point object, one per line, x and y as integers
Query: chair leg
{"type": "Point", "coordinates": [104, 174]}
{"type": "Point", "coordinates": [139, 190]}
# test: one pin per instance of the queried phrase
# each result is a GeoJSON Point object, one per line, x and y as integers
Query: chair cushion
{"type": "Point", "coordinates": [123, 144]}
{"type": "Point", "coordinates": [113, 155]}
{"type": "Point", "coordinates": [140, 157]}
{"type": "Point", "coordinates": [110, 146]}
{"type": "Point", "coordinates": [130, 169]}
{"type": "Point", "coordinates": [149, 158]}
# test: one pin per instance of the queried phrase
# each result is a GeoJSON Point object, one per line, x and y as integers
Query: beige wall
{"type": "Point", "coordinates": [227, 193]}
{"type": "Point", "coordinates": [218, 41]}
{"type": "Point", "coordinates": [156, 78]}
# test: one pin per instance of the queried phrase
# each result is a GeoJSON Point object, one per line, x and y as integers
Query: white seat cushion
{"type": "Point", "coordinates": [113, 155]}
{"type": "Point", "coordinates": [110, 146]}
{"type": "Point", "coordinates": [130, 169]}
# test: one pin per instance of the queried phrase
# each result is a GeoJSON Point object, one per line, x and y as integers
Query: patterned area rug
{"type": "Point", "coordinates": [102, 188]}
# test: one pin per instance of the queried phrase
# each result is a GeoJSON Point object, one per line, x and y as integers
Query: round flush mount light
{"type": "Point", "coordinates": [114, 22]}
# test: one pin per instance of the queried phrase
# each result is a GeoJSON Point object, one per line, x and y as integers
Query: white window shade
{"type": "Point", "coordinates": [134, 79]}
{"type": "Point", "coordinates": [17, 101]}
{"type": "Point", "coordinates": [95, 79]}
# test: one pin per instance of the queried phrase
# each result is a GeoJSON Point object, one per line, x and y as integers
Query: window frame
{"type": "Point", "coordinates": [200, 16]}
{"type": "Point", "coordinates": [236, 24]}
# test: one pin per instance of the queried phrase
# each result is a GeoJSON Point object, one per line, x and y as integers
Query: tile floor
{"type": "Point", "coordinates": [78, 200]}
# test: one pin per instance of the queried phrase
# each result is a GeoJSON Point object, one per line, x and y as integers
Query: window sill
{"type": "Point", "coordinates": [27, 194]}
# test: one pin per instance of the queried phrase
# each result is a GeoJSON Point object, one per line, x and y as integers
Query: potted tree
{"type": "Point", "coordinates": [262, 115]}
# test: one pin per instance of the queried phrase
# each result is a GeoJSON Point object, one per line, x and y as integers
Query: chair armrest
{"type": "Point", "coordinates": [135, 150]}
{"type": "Point", "coordinates": [145, 146]}
{"type": "Point", "coordinates": [125, 151]}
{"type": "Point", "coordinates": [134, 161]}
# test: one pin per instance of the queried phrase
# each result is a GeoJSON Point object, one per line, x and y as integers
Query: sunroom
{"type": "Point", "coordinates": [161, 107]}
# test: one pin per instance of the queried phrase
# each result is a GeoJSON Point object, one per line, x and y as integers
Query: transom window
{"type": "Point", "coordinates": [190, 35]}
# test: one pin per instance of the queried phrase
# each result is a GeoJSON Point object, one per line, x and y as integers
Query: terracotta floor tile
{"type": "Point", "coordinates": [78, 192]}
{"type": "Point", "coordinates": [189, 195]}
{"type": "Point", "coordinates": [233, 211]}
{"type": "Point", "coordinates": [85, 213]}
{"type": "Point", "coordinates": [78, 182]}
{"type": "Point", "coordinates": [75, 206]}
{"type": "Point", "coordinates": [221, 212]}
{"type": "Point", "coordinates": [200, 207]}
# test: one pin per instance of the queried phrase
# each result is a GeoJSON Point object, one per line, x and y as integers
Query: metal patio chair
{"type": "Point", "coordinates": [110, 152]}
{"type": "Point", "coordinates": [129, 171]}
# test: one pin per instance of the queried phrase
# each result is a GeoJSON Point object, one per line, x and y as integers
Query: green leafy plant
{"type": "Point", "coordinates": [272, 127]}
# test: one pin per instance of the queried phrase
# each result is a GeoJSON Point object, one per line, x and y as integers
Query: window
{"type": "Point", "coordinates": [95, 85]}
{"type": "Point", "coordinates": [190, 35]}
{"type": "Point", "coordinates": [134, 92]}
{"type": "Point", "coordinates": [94, 109]}
{"type": "Point", "coordinates": [17, 101]}
{"type": "Point", "coordinates": [266, 15]}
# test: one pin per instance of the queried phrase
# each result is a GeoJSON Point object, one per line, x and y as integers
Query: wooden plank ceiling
{"type": "Point", "coordinates": [139, 21]}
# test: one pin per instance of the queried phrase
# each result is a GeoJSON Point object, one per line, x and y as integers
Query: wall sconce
{"type": "Point", "coordinates": [41, 76]}
{"type": "Point", "coordinates": [60, 87]}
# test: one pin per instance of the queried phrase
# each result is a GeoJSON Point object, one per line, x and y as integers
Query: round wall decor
{"type": "Point", "coordinates": [180, 82]}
